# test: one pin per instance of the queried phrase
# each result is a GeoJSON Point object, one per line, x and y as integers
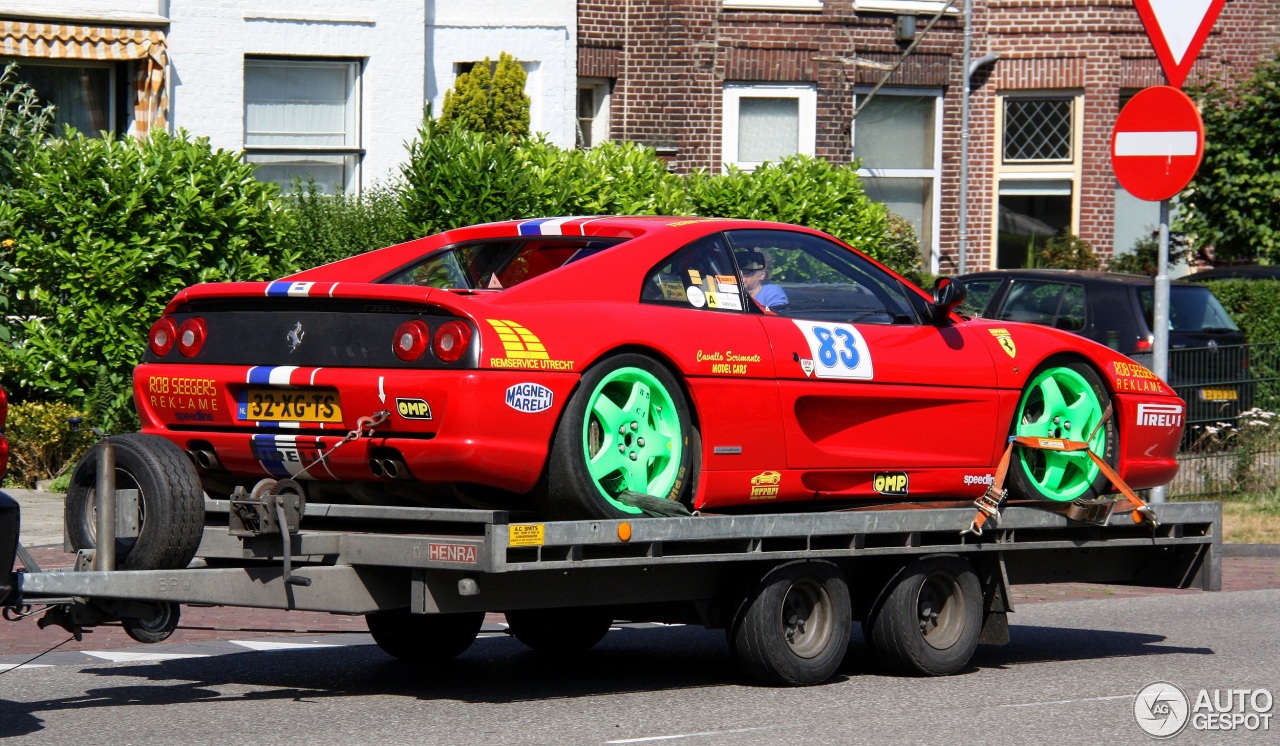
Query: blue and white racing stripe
{"type": "Point", "coordinates": [272, 375]}
{"type": "Point", "coordinates": [281, 457]}
{"type": "Point", "coordinates": [546, 226]}
{"type": "Point", "coordinates": [291, 289]}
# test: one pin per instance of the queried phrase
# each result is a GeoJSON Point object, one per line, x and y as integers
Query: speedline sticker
{"type": "Point", "coordinates": [839, 351]}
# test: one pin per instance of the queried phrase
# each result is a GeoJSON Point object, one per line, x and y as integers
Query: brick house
{"type": "Point", "coordinates": [715, 82]}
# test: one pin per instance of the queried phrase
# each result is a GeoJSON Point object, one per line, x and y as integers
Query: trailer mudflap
{"type": "Point", "coordinates": [10, 522]}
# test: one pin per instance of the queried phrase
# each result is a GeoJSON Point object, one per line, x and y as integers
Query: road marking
{"type": "Point", "coordinates": [11, 666]}
{"type": "Point", "coordinates": [1156, 143]}
{"type": "Point", "coordinates": [1071, 701]}
{"type": "Point", "coordinates": [122, 657]}
{"type": "Point", "coordinates": [648, 739]}
{"type": "Point", "coordinates": [266, 645]}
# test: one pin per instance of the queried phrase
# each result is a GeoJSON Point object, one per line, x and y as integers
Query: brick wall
{"type": "Point", "coordinates": [671, 58]}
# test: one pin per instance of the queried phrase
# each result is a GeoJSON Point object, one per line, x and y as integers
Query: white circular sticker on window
{"type": "Point", "coordinates": [696, 297]}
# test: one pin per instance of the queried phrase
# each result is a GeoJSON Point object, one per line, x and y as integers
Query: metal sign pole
{"type": "Point", "coordinates": [1160, 315]}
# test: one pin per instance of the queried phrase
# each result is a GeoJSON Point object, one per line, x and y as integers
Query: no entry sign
{"type": "Point", "coordinates": [1157, 143]}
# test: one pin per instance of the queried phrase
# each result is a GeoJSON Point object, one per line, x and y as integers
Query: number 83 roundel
{"type": "Point", "coordinates": [839, 351]}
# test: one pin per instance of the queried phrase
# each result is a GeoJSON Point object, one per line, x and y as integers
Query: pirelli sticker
{"type": "Point", "coordinates": [526, 534]}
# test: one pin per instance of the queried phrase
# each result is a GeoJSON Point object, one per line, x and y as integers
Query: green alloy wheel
{"type": "Point", "coordinates": [1063, 401]}
{"type": "Point", "coordinates": [627, 429]}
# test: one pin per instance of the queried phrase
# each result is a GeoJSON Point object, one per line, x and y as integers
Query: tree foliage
{"type": "Point", "coordinates": [1064, 251]}
{"type": "Point", "coordinates": [24, 122]}
{"type": "Point", "coordinates": [327, 227]}
{"type": "Point", "coordinates": [493, 104]}
{"type": "Point", "coordinates": [100, 233]}
{"type": "Point", "coordinates": [1231, 204]}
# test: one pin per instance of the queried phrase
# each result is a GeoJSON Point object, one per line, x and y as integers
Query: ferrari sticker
{"type": "Point", "coordinates": [890, 482]}
{"type": "Point", "coordinates": [697, 298]}
{"type": "Point", "coordinates": [839, 351]}
{"type": "Point", "coordinates": [1006, 341]}
{"type": "Point", "coordinates": [765, 485]}
{"type": "Point", "coordinates": [529, 397]}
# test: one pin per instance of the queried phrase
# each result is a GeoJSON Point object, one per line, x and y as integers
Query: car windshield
{"type": "Point", "coordinates": [498, 263]}
{"type": "Point", "coordinates": [1191, 309]}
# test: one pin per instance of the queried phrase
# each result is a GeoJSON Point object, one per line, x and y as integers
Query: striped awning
{"type": "Point", "coordinates": [61, 41]}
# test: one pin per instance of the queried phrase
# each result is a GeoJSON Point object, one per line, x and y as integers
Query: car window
{"type": "Point", "coordinates": [815, 278]}
{"type": "Point", "coordinates": [1192, 308]}
{"type": "Point", "coordinates": [978, 295]}
{"type": "Point", "coordinates": [1047, 303]}
{"type": "Point", "coordinates": [700, 275]}
{"type": "Point", "coordinates": [498, 263]}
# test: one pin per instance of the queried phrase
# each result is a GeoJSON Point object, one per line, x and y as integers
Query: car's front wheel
{"type": "Point", "coordinates": [626, 432]}
{"type": "Point", "coordinates": [1064, 401]}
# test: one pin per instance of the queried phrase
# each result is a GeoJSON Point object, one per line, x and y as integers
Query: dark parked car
{"type": "Point", "coordinates": [1245, 272]}
{"type": "Point", "coordinates": [1208, 357]}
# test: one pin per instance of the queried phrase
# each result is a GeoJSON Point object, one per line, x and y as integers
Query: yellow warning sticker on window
{"type": "Point", "coordinates": [526, 534]}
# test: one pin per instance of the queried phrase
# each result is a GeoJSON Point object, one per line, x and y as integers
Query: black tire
{"type": "Point", "coordinates": [793, 629]}
{"type": "Point", "coordinates": [170, 503]}
{"type": "Point", "coordinates": [1029, 476]}
{"type": "Point", "coordinates": [559, 631]}
{"type": "Point", "coordinates": [572, 492]}
{"type": "Point", "coordinates": [424, 638]}
{"type": "Point", "coordinates": [156, 628]}
{"type": "Point", "coordinates": [928, 619]}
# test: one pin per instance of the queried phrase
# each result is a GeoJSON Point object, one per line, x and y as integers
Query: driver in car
{"type": "Point", "coordinates": [755, 276]}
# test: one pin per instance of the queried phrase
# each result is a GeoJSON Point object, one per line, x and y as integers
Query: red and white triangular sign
{"type": "Point", "coordinates": [1178, 29]}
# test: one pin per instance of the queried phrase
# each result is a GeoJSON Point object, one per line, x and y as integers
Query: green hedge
{"type": "Point", "coordinates": [101, 234]}
{"type": "Point", "coordinates": [1255, 305]}
{"type": "Point", "coordinates": [41, 444]}
{"type": "Point", "coordinates": [327, 227]}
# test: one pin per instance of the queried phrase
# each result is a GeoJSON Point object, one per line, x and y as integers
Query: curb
{"type": "Point", "coordinates": [1251, 550]}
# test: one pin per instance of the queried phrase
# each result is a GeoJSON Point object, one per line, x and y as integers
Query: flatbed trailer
{"type": "Point", "coordinates": [787, 588]}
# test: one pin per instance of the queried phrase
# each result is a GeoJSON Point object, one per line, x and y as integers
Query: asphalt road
{"type": "Point", "coordinates": [1069, 676]}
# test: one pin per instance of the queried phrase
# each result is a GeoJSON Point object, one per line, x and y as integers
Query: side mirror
{"type": "Point", "coordinates": [947, 294]}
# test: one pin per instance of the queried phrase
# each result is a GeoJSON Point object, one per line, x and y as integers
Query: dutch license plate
{"type": "Point", "coordinates": [1218, 394]}
{"type": "Point", "coordinates": [286, 405]}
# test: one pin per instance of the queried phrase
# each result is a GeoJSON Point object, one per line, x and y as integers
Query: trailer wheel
{"type": "Point", "coordinates": [559, 631]}
{"type": "Point", "coordinates": [170, 508]}
{"type": "Point", "coordinates": [156, 628]}
{"type": "Point", "coordinates": [928, 620]}
{"type": "Point", "coordinates": [423, 638]}
{"type": "Point", "coordinates": [1063, 401]}
{"type": "Point", "coordinates": [626, 429]}
{"type": "Point", "coordinates": [793, 629]}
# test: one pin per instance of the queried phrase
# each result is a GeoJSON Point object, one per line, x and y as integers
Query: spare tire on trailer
{"type": "Point", "coordinates": [170, 505]}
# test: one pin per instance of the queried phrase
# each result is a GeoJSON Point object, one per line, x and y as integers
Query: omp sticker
{"type": "Point", "coordinates": [697, 298]}
{"type": "Point", "coordinates": [413, 409]}
{"type": "Point", "coordinates": [765, 485]}
{"type": "Point", "coordinates": [730, 301]}
{"type": "Point", "coordinates": [1160, 415]}
{"type": "Point", "coordinates": [526, 534]}
{"type": "Point", "coordinates": [839, 351]}
{"type": "Point", "coordinates": [529, 397]}
{"type": "Point", "coordinates": [890, 482]}
{"type": "Point", "coordinates": [1006, 341]}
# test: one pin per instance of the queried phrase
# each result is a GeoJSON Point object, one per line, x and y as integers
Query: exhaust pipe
{"type": "Point", "coordinates": [205, 459]}
{"type": "Point", "coordinates": [390, 468]}
{"type": "Point", "coordinates": [375, 466]}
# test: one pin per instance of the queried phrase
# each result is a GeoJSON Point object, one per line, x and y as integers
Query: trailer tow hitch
{"type": "Point", "coordinates": [275, 506]}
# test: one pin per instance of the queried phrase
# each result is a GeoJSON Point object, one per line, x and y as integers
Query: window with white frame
{"type": "Point", "coordinates": [593, 111]}
{"type": "Point", "coordinates": [1037, 173]}
{"type": "Point", "coordinates": [83, 93]}
{"type": "Point", "coordinates": [302, 121]}
{"type": "Point", "coordinates": [897, 135]}
{"type": "Point", "coordinates": [767, 122]}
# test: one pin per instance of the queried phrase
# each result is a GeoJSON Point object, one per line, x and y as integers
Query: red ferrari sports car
{"type": "Point", "coordinates": [575, 364]}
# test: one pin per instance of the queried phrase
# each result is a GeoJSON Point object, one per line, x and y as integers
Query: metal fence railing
{"type": "Point", "coordinates": [1232, 438]}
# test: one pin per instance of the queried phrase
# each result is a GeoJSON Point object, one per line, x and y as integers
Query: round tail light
{"type": "Point", "coordinates": [411, 340]}
{"type": "Point", "coordinates": [162, 335]}
{"type": "Point", "coordinates": [451, 341]}
{"type": "Point", "coordinates": [191, 336]}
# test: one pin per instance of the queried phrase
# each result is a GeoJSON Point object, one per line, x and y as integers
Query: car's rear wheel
{"type": "Point", "coordinates": [626, 432]}
{"type": "Point", "coordinates": [1063, 401]}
